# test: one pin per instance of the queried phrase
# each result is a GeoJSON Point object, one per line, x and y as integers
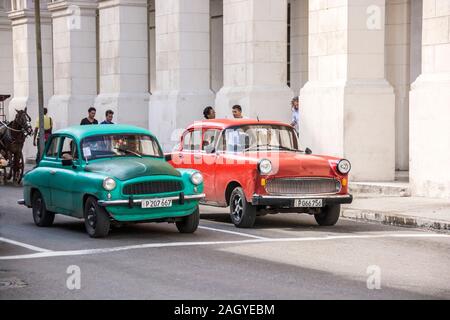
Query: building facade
{"type": "Point", "coordinates": [373, 75]}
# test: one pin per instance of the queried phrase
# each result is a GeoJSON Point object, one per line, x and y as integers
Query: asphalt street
{"type": "Point", "coordinates": [284, 257]}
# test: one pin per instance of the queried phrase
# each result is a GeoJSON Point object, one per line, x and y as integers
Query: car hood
{"type": "Point", "coordinates": [130, 167]}
{"type": "Point", "coordinates": [291, 164]}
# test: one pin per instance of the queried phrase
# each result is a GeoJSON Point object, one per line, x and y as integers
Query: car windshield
{"type": "Point", "coordinates": [260, 137]}
{"type": "Point", "coordinates": [120, 145]}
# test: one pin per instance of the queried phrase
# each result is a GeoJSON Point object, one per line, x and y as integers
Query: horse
{"type": "Point", "coordinates": [12, 139]}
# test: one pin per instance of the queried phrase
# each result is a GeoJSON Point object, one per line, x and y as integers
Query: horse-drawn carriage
{"type": "Point", "coordinates": [12, 138]}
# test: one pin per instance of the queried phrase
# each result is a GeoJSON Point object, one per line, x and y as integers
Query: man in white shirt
{"type": "Point", "coordinates": [237, 112]}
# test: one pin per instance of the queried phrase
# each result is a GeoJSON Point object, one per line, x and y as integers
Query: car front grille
{"type": "Point", "coordinates": [153, 187]}
{"type": "Point", "coordinates": [294, 186]}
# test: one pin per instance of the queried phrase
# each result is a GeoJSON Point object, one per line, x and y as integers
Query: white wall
{"type": "Point", "coordinates": [430, 106]}
{"type": "Point", "coordinates": [6, 56]}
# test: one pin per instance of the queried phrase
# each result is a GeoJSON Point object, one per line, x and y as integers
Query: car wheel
{"type": "Point", "coordinates": [190, 223]}
{"type": "Point", "coordinates": [96, 219]}
{"type": "Point", "coordinates": [329, 215]}
{"type": "Point", "coordinates": [242, 213]}
{"type": "Point", "coordinates": [42, 217]}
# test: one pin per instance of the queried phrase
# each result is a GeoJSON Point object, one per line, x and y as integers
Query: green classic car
{"type": "Point", "coordinates": [108, 174]}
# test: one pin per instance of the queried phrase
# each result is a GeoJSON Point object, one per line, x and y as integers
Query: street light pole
{"type": "Point", "coordinates": [37, 17]}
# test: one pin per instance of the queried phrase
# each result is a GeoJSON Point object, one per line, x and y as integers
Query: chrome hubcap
{"type": "Point", "coordinates": [237, 208]}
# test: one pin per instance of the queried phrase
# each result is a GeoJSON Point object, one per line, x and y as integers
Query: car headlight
{"type": "Point", "coordinates": [265, 166]}
{"type": "Point", "coordinates": [109, 184]}
{"type": "Point", "coordinates": [344, 166]}
{"type": "Point", "coordinates": [197, 178]}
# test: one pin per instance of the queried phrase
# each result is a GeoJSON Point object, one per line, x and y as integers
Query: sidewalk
{"type": "Point", "coordinates": [401, 211]}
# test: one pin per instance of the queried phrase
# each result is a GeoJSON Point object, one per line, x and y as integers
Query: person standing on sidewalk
{"type": "Point", "coordinates": [90, 118]}
{"type": "Point", "coordinates": [295, 107]}
{"type": "Point", "coordinates": [109, 114]}
{"type": "Point", "coordinates": [48, 128]}
{"type": "Point", "coordinates": [209, 113]}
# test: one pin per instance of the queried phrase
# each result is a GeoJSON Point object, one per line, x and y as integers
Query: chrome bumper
{"type": "Point", "coordinates": [133, 202]}
{"type": "Point", "coordinates": [288, 201]}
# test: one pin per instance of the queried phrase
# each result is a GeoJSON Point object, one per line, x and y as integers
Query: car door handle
{"type": "Point", "coordinates": [52, 172]}
{"type": "Point", "coordinates": [197, 157]}
{"type": "Point", "coordinates": [180, 156]}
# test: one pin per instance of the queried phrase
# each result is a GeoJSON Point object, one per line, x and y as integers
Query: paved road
{"type": "Point", "coordinates": [284, 257]}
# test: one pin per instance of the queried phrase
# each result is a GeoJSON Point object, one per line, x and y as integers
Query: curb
{"type": "Point", "coordinates": [395, 219]}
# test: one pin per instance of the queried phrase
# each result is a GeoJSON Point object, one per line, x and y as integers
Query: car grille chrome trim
{"type": "Point", "coordinates": [303, 186]}
{"type": "Point", "coordinates": [153, 187]}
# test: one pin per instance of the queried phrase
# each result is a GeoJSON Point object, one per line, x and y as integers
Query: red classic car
{"type": "Point", "coordinates": [257, 167]}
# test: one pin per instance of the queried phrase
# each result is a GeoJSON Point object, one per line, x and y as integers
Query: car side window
{"type": "Point", "coordinates": [192, 140]}
{"type": "Point", "coordinates": [210, 138]}
{"type": "Point", "coordinates": [69, 149]}
{"type": "Point", "coordinates": [52, 150]}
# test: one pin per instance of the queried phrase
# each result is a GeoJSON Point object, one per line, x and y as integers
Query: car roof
{"type": "Point", "coordinates": [227, 123]}
{"type": "Point", "coordinates": [81, 132]}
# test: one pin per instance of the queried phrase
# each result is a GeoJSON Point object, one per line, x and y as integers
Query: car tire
{"type": "Point", "coordinates": [96, 219]}
{"type": "Point", "coordinates": [329, 215]}
{"type": "Point", "coordinates": [242, 213]}
{"type": "Point", "coordinates": [190, 223]}
{"type": "Point", "coordinates": [41, 216]}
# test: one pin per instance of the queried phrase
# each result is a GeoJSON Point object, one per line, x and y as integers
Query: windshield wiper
{"type": "Point", "coordinates": [128, 151]}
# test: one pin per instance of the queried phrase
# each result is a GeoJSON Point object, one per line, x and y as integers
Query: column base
{"type": "Point", "coordinates": [353, 120]}
{"type": "Point", "coordinates": [263, 102]}
{"type": "Point", "coordinates": [171, 112]}
{"type": "Point", "coordinates": [129, 108]}
{"type": "Point", "coordinates": [429, 136]}
{"type": "Point", "coordinates": [68, 110]}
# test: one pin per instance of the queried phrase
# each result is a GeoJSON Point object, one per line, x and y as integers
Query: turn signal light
{"type": "Point", "coordinates": [344, 182]}
{"type": "Point", "coordinates": [263, 182]}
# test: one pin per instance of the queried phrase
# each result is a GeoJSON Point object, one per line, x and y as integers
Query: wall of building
{"type": "Point", "coordinates": [6, 54]}
{"type": "Point", "coordinates": [430, 106]}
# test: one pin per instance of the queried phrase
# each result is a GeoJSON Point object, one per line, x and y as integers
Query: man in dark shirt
{"type": "Point", "coordinates": [109, 117]}
{"type": "Point", "coordinates": [91, 117]}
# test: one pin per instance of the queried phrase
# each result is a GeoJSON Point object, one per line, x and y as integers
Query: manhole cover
{"type": "Point", "coordinates": [12, 283]}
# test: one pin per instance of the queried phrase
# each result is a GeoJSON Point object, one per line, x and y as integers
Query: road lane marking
{"type": "Point", "coordinates": [24, 245]}
{"type": "Point", "coordinates": [233, 232]}
{"type": "Point", "coordinates": [209, 243]}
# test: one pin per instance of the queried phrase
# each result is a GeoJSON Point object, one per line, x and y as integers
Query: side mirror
{"type": "Point", "coordinates": [168, 157]}
{"type": "Point", "coordinates": [308, 151]}
{"type": "Point", "coordinates": [67, 163]}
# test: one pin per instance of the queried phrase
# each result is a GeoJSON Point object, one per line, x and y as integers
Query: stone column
{"type": "Point", "coordinates": [398, 44]}
{"type": "Point", "coordinates": [6, 55]}
{"type": "Point", "coordinates": [124, 81]}
{"type": "Point", "coordinates": [24, 60]}
{"type": "Point", "coordinates": [182, 67]}
{"type": "Point", "coordinates": [74, 45]}
{"type": "Point", "coordinates": [430, 106]}
{"type": "Point", "coordinates": [255, 59]}
{"type": "Point", "coordinates": [348, 107]}
{"type": "Point", "coordinates": [299, 44]}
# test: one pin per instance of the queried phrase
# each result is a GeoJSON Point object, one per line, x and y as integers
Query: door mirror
{"type": "Point", "coordinates": [308, 151]}
{"type": "Point", "coordinates": [67, 162]}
